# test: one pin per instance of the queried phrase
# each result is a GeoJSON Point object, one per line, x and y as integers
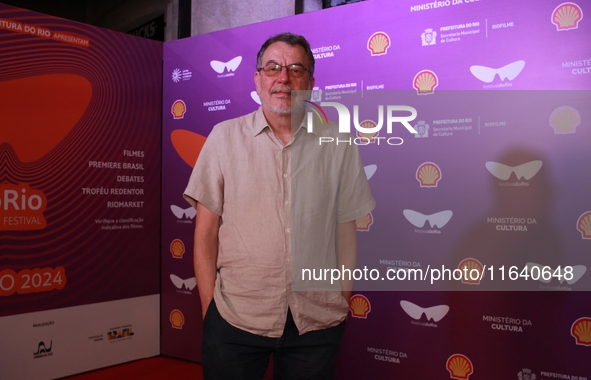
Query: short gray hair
{"type": "Point", "coordinates": [292, 40]}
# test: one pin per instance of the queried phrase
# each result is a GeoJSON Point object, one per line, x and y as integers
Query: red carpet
{"type": "Point", "coordinates": [158, 367]}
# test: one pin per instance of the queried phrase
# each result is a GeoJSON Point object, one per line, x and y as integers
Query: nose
{"type": "Point", "coordinates": [283, 75]}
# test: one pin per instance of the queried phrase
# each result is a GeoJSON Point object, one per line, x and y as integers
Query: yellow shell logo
{"type": "Point", "coordinates": [364, 222]}
{"type": "Point", "coordinates": [378, 43]}
{"type": "Point", "coordinates": [359, 306]}
{"type": "Point", "coordinates": [428, 174]}
{"type": "Point", "coordinates": [177, 319]}
{"type": "Point", "coordinates": [581, 331]}
{"type": "Point", "coordinates": [584, 225]}
{"type": "Point", "coordinates": [178, 109]}
{"type": "Point", "coordinates": [473, 272]}
{"type": "Point", "coordinates": [425, 82]}
{"type": "Point", "coordinates": [367, 137]}
{"type": "Point", "coordinates": [459, 367]}
{"type": "Point", "coordinates": [565, 120]}
{"type": "Point", "coordinates": [177, 248]}
{"type": "Point", "coordinates": [567, 16]}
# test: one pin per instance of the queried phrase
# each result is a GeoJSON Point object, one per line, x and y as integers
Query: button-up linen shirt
{"type": "Point", "coordinates": [279, 207]}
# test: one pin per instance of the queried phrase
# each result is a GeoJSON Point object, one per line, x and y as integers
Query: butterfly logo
{"type": "Point", "coordinates": [577, 273]}
{"type": "Point", "coordinates": [503, 172]}
{"type": "Point", "coordinates": [231, 65]}
{"type": "Point", "coordinates": [487, 74]}
{"type": "Point", "coordinates": [370, 170]}
{"type": "Point", "coordinates": [255, 97]}
{"type": "Point", "coordinates": [434, 313]}
{"type": "Point", "coordinates": [439, 219]}
{"type": "Point", "coordinates": [189, 283]}
{"type": "Point", "coordinates": [188, 213]}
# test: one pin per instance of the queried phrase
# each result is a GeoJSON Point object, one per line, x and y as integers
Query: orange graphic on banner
{"type": "Point", "coordinates": [584, 225]}
{"type": "Point", "coordinates": [177, 248]}
{"type": "Point", "coordinates": [428, 174]}
{"type": "Point", "coordinates": [177, 319]}
{"type": "Point", "coordinates": [459, 367]}
{"type": "Point", "coordinates": [378, 43]}
{"type": "Point", "coordinates": [21, 208]}
{"type": "Point", "coordinates": [178, 109]}
{"type": "Point", "coordinates": [567, 16]}
{"type": "Point", "coordinates": [359, 306]}
{"type": "Point", "coordinates": [41, 111]}
{"type": "Point", "coordinates": [187, 144]}
{"type": "Point", "coordinates": [581, 331]}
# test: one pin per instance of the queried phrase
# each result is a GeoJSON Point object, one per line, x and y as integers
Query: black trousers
{"type": "Point", "coordinates": [230, 353]}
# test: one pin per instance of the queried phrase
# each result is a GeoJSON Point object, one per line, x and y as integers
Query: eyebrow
{"type": "Point", "coordinates": [277, 63]}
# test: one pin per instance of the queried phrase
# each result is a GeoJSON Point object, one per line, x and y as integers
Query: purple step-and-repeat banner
{"type": "Point", "coordinates": [494, 183]}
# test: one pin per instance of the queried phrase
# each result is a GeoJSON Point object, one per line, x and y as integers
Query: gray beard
{"type": "Point", "coordinates": [284, 111]}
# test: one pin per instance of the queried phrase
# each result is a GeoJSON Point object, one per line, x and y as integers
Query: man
{"type": "Point", "coordinates": [270, 200]}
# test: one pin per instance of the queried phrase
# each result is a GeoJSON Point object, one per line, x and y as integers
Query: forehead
{"type": "Point", "coordinates": [283, 53]}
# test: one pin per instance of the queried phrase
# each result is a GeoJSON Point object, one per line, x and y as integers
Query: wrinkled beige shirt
{"type": "Point", "coordinates": [279, 206]}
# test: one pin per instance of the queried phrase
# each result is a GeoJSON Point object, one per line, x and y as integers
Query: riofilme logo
{"type": "Point", "coordinates": [178, 109]}
{"type": "Point", "coordinates": [525, 171]}
{"type": "Point", "coordinates": [177, 319]}
{"type": "Point", "coordinates": [177, 248]}
{"type": "Point", "coordinates": [584, 225]}
{"type": "Point", "coordinates": [459, 367]}
{"type": "Point", "coordinates": [364, 223]}
{"type": "Point", "coordinates": [428, 174]}
{"type": "Point", "coordinates": [566, 16]}
{"type": "Point", "coordinates": [359, 306]}
{"type": "Point", "coordinates": [21, 208]}
{"type": "Point", "coordinates": [472, 269]}
{"type": "Point", "coordinates": [378, 43]}
{"type": "Point", "coordinates": [433, 313]}
{"type": "Point", "coordinates": [219, 67]}
{"type": "Point", "coordinates": [487, 74]}
{"type": "Point", "coordinates": [581, 331]}
{"type": "Point", "coordinates": [425, 82]}
{"type": "Point", "coordinates": [565, 120]}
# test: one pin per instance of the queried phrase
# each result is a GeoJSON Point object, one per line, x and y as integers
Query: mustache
{"type": "Point", "coordinates": [281, 88]}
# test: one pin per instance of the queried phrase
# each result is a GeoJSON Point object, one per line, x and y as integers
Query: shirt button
{"type": "Point", "coordinates": [286, 202]}
{"type": "Point", "coordinates": [284, 175]}
{"type": "Point", "coordinates": [287, 230]}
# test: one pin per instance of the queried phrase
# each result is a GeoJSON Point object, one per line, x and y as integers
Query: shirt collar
{"type": "Point", "coordinates": [260, 123]}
